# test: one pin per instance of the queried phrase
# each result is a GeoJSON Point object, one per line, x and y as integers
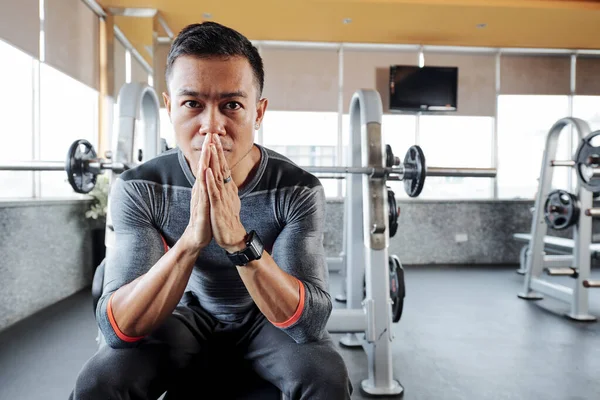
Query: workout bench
{"type": "Point", "coordinates": [558, 244]}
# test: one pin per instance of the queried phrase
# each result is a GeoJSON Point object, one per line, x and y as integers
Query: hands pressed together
{"type": "Point", "coordinates": [215, 204]}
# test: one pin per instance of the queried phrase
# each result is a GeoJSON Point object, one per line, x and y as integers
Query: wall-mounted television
{"type": "Point", "coordinates": [428, 88]}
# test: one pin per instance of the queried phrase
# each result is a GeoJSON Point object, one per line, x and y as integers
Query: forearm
{"type": "Point", "coordinates": [275, 292]}
{"type": "Point", "coordinates": [143, 304]}
{"type": "Point", "coordinates": [300, 308]}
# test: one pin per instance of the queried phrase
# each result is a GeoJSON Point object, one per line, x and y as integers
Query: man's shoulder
{"type": "Point", "coordinates": [164, 169]}
{"type": "Point", "coordinates": [281, 173]}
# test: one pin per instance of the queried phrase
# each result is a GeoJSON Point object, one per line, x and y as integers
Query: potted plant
{"type": "Point", "coordinates": [96, 213]}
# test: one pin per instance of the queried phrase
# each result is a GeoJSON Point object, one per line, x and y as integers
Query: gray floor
{"type": "Point", "coordinates": [464, 335]}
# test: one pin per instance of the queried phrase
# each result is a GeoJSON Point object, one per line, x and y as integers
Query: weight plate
{"type": "Point", "coordinates": [389, 156]}
{"type": "Point", "coordinates": [415, 171]}
{"type": "Point", "coordinates": [394, 212]}
{"type": "Point", "coordinates": [561, 210]}
{"type": "Point", "coordinates": [397, 287]}
{"type": "Point", "coordinates": [587, 158]}
{"type": "Point", "coordinates": [80, 154]}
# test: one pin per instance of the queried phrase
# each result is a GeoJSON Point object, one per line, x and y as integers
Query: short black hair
{"type": "Point", "coordinates": [211, 39]}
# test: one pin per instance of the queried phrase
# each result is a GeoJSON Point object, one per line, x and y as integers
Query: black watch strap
{"type": "Point", "coordinates": [253, 251]}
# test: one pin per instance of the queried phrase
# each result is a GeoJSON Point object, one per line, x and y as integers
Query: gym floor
{"type": "Point", "coordinates": [464, 334]}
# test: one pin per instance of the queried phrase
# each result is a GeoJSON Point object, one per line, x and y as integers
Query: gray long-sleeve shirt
{"type": "Point", "coordinates": [285, 205]}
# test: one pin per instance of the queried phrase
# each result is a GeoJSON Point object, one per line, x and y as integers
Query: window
{"type": "Point", "coordinates": [16, 119]}
{"type": "Point", "coordinates": [166, 128]}
{"type": "Point", "coordinates": [306, 138]}
{"type": "Point", "coordinates": [68, 112]}
{"type": "Point", "coordinates": [588, 109]}
{"type": "Point", "coordinates": [399, 131]}
{"type": "Point", "coordinates": [308, 155]}
{"type": "Point", "coordinates": [457, 141]}
{"type": "Point", "coordinates": [523, 125]}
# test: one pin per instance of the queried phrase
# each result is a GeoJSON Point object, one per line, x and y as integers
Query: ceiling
{"type": "Point", "coordinates": [565, 24]}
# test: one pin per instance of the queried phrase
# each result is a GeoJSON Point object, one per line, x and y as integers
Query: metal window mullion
{"type": "Point", "coordinates": [37, 123]}
{"type": "Point", "coordinates": [573, 88]}
{"type": "Point", "coordinates": [35, 126]}
{"type": "Point", "coordinates": [495, 141]}
{"type": "Point", "coordinates": [418, 129]}
{"type": "Point", "coordinates": [421, 63]}
{"type": "Point", "coordinates": [340, 115]}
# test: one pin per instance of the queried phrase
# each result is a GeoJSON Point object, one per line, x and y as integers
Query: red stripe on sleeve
{"type": "Point", "coordinates": [298, 312]}
{"type": "Point", "coordinates": [164, 243]}
{"type": "Point", "coordinates": [113, 323]}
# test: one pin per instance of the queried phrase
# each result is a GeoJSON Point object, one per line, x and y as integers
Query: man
{"type": "Point", "coordinates": [188, 266]}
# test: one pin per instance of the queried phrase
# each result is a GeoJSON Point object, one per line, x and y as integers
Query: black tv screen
{"type": "Point", "coordinates": [428, 88]}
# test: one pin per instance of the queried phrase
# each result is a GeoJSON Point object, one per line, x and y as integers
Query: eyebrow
{"type": "Point", "coordinates": [225, 95]}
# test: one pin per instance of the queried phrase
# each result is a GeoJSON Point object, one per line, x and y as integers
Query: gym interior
{"type": "Point", "coordinates": [454, 141]}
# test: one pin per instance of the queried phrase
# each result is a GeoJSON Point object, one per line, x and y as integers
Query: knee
{"type": "Point", "coordinates": [324, 375]}
{"type": "Point", "coordinates": [99, 378]}
{"type": "Point", "coordinates": [92, 379]}
{"type": "Point", "coordinates": [333, 372]}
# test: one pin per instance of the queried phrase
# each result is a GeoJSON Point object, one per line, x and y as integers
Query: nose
{"type": "Point", "coordinates": [212, 121]}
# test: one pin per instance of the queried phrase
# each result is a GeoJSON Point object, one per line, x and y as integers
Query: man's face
{"type": "Point", "coordinates": [214, 95]}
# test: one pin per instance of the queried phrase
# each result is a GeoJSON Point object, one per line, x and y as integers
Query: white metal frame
{"type": "Point", "coordinates": [367, 322]}
{"type": "Point", "coordinates": [536, 259]}
{"type": "Point", "coordinates": [137, 102]}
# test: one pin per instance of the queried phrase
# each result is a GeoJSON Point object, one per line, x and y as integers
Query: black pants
{"type": "Point", "coordinates": [189, 337]}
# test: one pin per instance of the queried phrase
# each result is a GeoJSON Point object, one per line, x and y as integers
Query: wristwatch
{"type": "Point", "coordinates": [253, 251]}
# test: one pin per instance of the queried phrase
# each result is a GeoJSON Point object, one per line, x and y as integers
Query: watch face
{"type": "Point", "coordinates": [256, 246]}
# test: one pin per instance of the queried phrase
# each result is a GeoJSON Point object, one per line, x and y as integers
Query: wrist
{"type": "Point", "coordinates": [190, 244]}
{"type": "Point", "coordinates": [239, 243]}
{"type": "Point", "coordinates": [253, 249]}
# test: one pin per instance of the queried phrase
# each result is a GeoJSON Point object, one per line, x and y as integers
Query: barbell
{"type": "Point", "coordinates": [412, 171]}
{"type": "Point", "coordinates": [82, 166]}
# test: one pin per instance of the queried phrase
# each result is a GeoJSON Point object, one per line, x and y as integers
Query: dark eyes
{"type": "Point", "coordinates": [191, 104]}
{"type": "Point", "coordinates": [232, 105]}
